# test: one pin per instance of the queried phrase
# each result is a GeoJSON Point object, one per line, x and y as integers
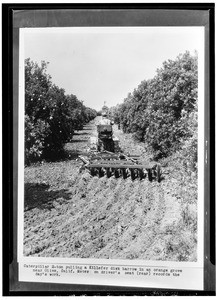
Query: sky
{"type": "Point", "coordinates": [100, 64]}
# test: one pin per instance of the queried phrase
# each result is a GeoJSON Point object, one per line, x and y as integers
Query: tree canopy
{"type": "Point", "coordinates": [162, 112]}
{"type": "Point", "coordinates": [51, 116]}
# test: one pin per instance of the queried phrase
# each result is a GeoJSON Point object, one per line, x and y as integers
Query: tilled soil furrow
{"type": "Point", "coordinates": [72, 214]}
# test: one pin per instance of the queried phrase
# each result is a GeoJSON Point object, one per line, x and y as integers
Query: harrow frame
{"type": "Point", "coordinates": [118, 164]}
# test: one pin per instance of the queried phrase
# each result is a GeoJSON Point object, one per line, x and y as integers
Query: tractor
{"type": "Point", "coordinates": [106, 158]}
{"type": "Point", "coordinates": [105, 140]}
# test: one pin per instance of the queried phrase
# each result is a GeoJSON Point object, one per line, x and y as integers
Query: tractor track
{"type": "Point", "coordinates": [77, 215]}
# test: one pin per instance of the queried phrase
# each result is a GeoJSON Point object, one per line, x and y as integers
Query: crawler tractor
{"type": "Point", "coordinates": [105, 140]}
{"type": "Point", "coordinates": [106, 158]}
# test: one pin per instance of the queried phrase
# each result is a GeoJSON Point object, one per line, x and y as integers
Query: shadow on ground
{"type": "Point", "coordinates": [39, 196]}
{"type": "Point", "coordinates": [79, 141]}
{"type": "Point", "coordinates": [81, 133]}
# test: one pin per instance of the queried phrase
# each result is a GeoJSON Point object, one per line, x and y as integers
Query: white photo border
{"type": "Point", "coordinates": [188, 266]}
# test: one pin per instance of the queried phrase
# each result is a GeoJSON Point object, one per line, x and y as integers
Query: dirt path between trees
{"type": "Point", "coordinates": [68, 214]}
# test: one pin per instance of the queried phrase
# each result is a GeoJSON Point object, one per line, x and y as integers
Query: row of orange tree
{"type": "Point", "coordinates": [51, 116]}
{"type": "Point", "coordinates": [162, 112]}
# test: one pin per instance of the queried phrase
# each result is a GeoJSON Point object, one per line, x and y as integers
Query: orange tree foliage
{"type": "Point", "coordinates": [51, 117]}
{"type": "Point", "coordinates": [162, 112]}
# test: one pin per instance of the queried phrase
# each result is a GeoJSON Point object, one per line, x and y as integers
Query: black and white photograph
{"type": "Point", "coordinates": [110, 159]}
{"type": "Point", "coordinates": [111, 143]}
{"type": "Point", "coordinates": [108, 149]}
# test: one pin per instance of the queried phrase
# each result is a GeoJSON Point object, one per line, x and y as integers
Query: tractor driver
{"type": "Point", "coordinates": [105, 120]}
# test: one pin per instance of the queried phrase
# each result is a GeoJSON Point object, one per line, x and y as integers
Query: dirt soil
{"type": "Point", "coordinates": [72, 214]}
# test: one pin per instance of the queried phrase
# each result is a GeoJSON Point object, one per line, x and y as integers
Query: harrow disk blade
{"type": "Point", "coordinates": [100, 172]}
{"type": "Point", "coordinates": [132, 174]}
{"type": "Point", "coordinates": [124, 173]}
{"type": "Point", "coordinates": [108, 172]}
{"type": "Point", "coordinates": [150, 174]}
{"type": "Point", "coordinates": [157, 173]}
{"type": "Point", "coordinates": [141, 174]}
{"type": "Point", "coordinates": [116, 173]}
{"type": "Point", "coordinates": [92, 171]}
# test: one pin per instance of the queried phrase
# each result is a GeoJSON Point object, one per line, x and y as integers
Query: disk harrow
{"type": "Point", "coordinates": [120, 165]}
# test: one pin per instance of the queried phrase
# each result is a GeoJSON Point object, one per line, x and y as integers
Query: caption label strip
{"type": "Point", "coordinates": [57, 270]}
{"type": "Point", "coordinates": [141, 276]}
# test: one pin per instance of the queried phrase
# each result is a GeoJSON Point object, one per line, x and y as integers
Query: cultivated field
{"type": "Point", "coordinates": [71, 214]}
